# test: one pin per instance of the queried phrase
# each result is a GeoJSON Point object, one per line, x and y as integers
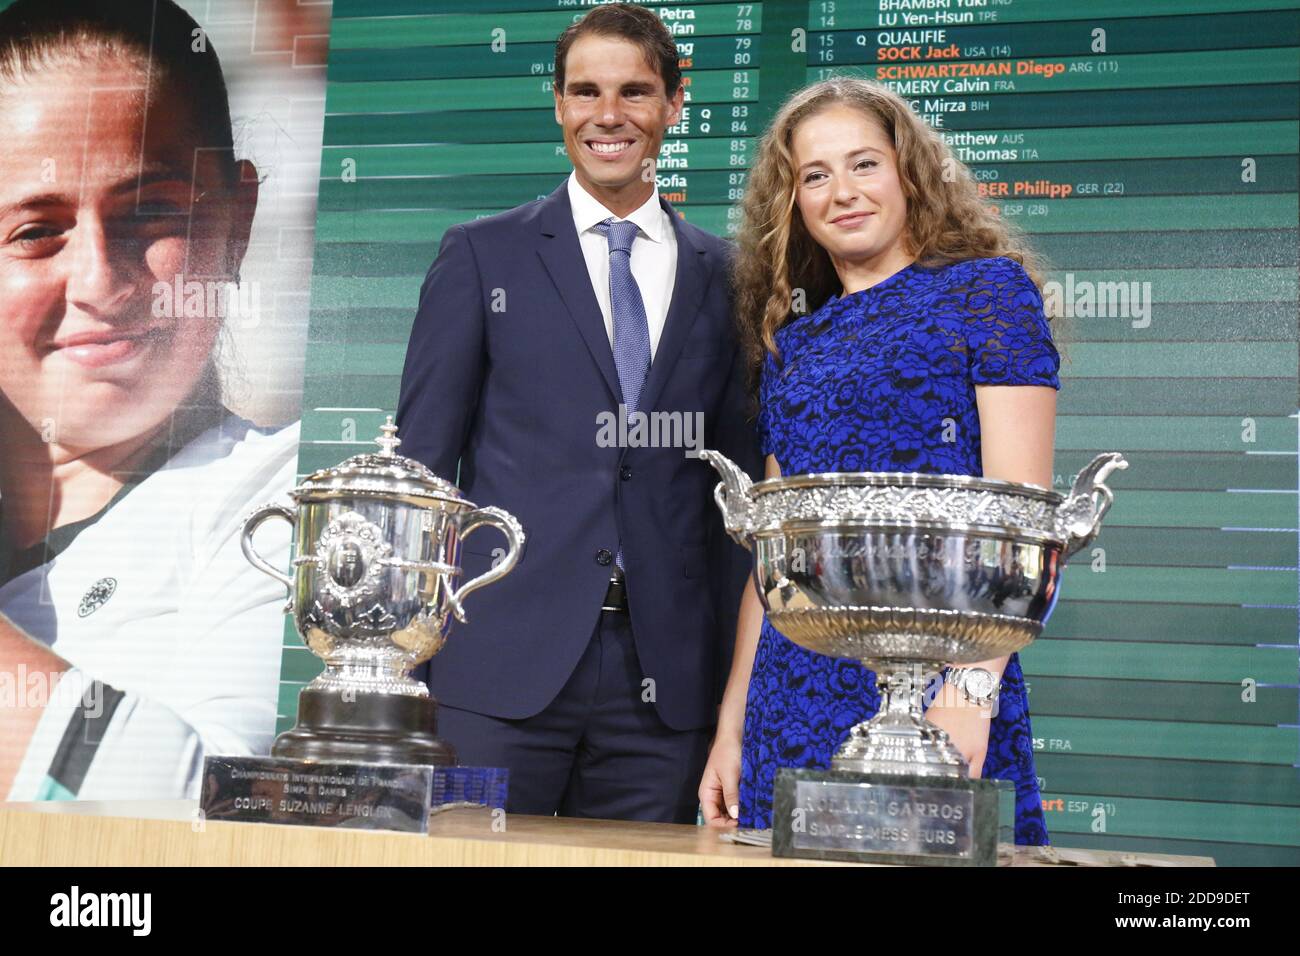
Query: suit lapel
{"type": "Point", "coordinates": [688, 295]}
{"type": "Point", "coordinates": [562, 255]}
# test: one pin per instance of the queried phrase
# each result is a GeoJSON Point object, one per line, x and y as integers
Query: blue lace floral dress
{"type": "Point", "coordinates": [884, 380]}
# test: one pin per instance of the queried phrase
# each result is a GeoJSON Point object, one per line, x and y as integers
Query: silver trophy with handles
{"type": "Point", "coordinates": [906, 573]}
{"type": "Point", "coordinates": [374, 585]}
{"type": "Point", "coordinates": [373, 591]}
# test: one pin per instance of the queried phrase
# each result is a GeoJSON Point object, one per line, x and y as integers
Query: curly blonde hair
{"type": "Point", "coordinates": [947, 220]}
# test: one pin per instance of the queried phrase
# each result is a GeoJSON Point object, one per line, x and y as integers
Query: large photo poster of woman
{"type": "Point", "coordinates": [157, 202]}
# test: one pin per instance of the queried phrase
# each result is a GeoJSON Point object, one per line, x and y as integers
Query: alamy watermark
{"type": "Point", "coordinates": [75, 908]}
{"type": "Point", "coordinates": [195, 299]}
{"type": "Point", "coordinates": [21, 688]}
{"type": "Point", "coordinates": [658, 429]}
{"type": "Point", "coordinates": [1084, 298]}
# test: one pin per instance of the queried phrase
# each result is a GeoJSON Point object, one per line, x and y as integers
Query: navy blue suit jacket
{"type": "Point", "coordinates": [507, 371]}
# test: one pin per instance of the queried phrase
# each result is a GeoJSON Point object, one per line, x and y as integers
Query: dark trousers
{"type": "Point", "coordinates": [598, 750]}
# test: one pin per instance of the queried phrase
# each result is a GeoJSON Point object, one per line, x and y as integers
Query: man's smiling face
{"type": "Point", "coordinates": [614, 111]}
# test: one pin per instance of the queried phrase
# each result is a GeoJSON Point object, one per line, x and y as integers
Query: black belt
{"type": "Point", "coordinates": [615, 596]}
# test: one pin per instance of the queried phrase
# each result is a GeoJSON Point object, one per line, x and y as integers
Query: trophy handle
{"type": "Point", "coordinates": [251, 524]}
{"type": "Point", "coordinates": [514, 533]}
{"type": "Point", "coordinates": [1079, 516]}
{"type": "Point", "coordinates": [731, 495]}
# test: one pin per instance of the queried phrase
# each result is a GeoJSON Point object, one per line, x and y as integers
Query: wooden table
{"type": "Point", "coordinates": [170, 833]}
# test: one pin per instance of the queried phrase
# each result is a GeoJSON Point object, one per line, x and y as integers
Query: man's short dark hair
{"type": "Point", "coordinates": [627, 22]}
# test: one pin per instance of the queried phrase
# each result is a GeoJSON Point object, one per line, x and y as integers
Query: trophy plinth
{"type": "Point", "coordinates": [905, 573]}
{"type": "Point", "coordinates": [345, 794]}
{"type": "Point", "coordinates": [892, 818]}
{"type": "Point", "coordinates": [377, 548]}
{"type": "Point", "coordinates": [369, 727]}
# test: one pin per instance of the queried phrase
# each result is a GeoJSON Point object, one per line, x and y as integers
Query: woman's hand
{"type": "Point", "coordinates": [968, 729]}
{"type": "Point", "coordinates": [720, 785]}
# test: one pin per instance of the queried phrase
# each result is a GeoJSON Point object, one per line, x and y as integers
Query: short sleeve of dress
{"type": "Point", "coordinates": [1007, 332]}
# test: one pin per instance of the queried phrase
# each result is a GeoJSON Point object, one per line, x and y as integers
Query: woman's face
{"type": "Point", "coordinates": [847, 187]}
{"type": "Point", "coordinates": [97, 208]}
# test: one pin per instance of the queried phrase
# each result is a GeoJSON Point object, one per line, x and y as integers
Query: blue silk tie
{"type": "Point", "coordinates": [631, 330]}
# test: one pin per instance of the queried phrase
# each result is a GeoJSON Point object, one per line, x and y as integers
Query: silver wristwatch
{"type": "Point", "coordinates": [978, 685]}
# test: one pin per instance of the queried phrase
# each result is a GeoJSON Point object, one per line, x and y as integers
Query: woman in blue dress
{"type": "Point", "coordinates": [926, 350]}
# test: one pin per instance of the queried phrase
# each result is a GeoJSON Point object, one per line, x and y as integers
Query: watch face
{"type": "Point", "coordinates": [979, 682]}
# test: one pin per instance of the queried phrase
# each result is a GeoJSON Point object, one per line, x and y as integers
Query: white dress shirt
{"type": "Point", "coordinates": [654, 256]}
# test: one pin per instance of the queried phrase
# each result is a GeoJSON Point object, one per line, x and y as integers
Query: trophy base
{"type": "Point", "coordinates": [900, 743]}
{"type": "Point", "coordinates": [354, 796]}
{"type": "Point", "coordinates": [892, 818]}
{"type": "Point", "coordinates": [365, 727]}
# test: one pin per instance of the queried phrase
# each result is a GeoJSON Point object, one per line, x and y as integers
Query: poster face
{"type": "Point", "coordinates": [155, 260]}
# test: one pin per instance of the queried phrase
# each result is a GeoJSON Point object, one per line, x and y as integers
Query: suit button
{"type": "Point", "coordinates": [625, 473]}
{"type": "Point", "coordinates": [604, 556]}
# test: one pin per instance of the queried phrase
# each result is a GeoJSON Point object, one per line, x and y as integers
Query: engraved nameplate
{"type": "Point", "coordinates": [890, 818]}
{"type": "Point", "coordinates": [350, 796]}
{"type": "Point", "coordinates": [880, 818]}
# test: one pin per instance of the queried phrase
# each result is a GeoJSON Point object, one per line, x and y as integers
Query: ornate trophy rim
{"type": "Point", "coordinates": [1019, 533]}
{"type": "Point", "coordinates": [381, 474]}
{"type": "Point", "coordinates": [904, 479]}
{"type": "Point", "coordinates": [323, 486]}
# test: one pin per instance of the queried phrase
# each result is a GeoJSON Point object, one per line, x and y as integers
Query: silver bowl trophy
{"type": "Point", "coordinates": [373, 591]}
{"type": "Point", "coordinates": [905, 573]}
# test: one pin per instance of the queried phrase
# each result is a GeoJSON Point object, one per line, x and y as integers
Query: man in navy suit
{"type": "Point", "coordinates": [567, 358]}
